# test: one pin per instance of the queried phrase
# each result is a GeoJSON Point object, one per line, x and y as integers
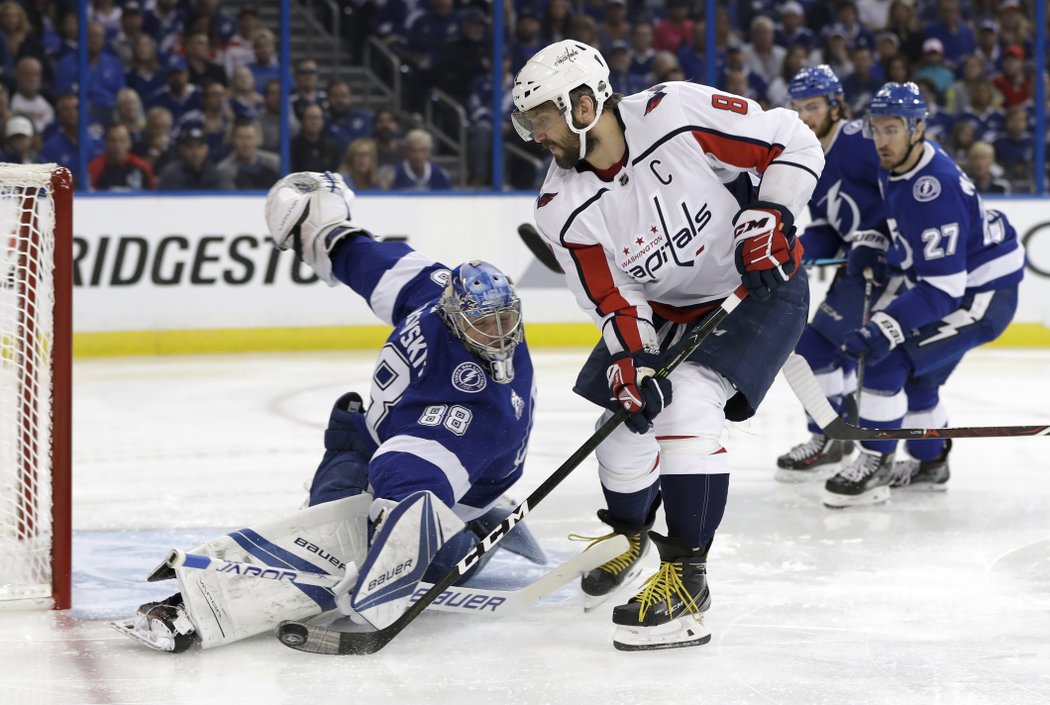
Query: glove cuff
{"type": "Point", "coordinates": [889, 327]}
{"type": "Point", "coordinates": [870, 238]}
{"type": "Point", "coordinates": [338, 233]}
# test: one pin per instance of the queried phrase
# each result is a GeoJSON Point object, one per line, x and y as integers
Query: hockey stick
{"type": "Point", "coordinates": [804, 384]}
{"type": "Point", "coordinates": [320, 640]}
{"type": "Point", "coordinates": [865, 315]}
{"type": "Point", "coordinates": [534, 241]}
{"type": "Point", "coordinates": [460, 599]}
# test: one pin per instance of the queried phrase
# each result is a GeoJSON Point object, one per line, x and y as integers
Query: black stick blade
{"type": "Point", "coordinates": [534, 241]}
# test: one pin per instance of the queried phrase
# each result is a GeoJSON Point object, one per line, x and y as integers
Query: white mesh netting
{"type": "Point", "coordinates": [26, 341]}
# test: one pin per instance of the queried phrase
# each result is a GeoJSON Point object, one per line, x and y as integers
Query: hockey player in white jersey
{"type": "Point", "coordinates": [652, 212]}
{"type": "Point", "coordinates": [407, 486]}
{"type": "Point", "coordinates": [962, 264]}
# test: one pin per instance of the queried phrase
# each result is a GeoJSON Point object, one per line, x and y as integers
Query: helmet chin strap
{"type": "Point", "coordinates": [907, 155]}
{"type": "Point", "coordinates": [582, 131]}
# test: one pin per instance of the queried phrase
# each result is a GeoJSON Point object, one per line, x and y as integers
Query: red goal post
{"type": "Point", "coordinates": [36, 302]}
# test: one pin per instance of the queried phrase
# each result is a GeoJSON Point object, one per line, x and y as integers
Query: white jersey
{"type": "Point", "coordinates": [655, 233]}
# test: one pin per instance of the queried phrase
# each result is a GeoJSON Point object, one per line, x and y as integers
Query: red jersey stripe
{"type": "Point", "coordinates": [597, 280]}
{"type": "Point", "coordinates": [737, 151]}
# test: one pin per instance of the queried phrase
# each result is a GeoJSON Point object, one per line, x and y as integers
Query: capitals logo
{"type": "Point", "coordinates": [545, 198]}
{"type": "Point", "coordinates": [469, 377]}
{"type": "Point", "coordinates": [654, 100]}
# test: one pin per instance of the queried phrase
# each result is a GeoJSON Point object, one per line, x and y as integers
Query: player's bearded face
{"type": "Point", "coordinates": [564, 144]}
{"type": "Point", "coordinates": [816, 112]}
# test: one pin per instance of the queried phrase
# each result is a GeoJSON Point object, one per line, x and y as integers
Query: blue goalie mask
{"type": "Point", "coordinates": [480, 307]}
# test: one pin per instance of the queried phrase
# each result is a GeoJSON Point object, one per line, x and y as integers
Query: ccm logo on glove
{"type": "Point", "coordinates": [767, 252]}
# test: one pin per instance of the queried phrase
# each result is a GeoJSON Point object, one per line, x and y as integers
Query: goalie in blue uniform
{"type": "Point", "coordinates": [962, 264]}
{"type": "Point", "coordinates": [408, 485]}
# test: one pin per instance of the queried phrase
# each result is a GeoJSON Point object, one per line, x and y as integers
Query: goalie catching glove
{"type": "Point", "coordinates": [633, 386]}
{"type": "Point", "coordinates": [309, 212]}
{"type": "Point", "coordinates": [767, 251]}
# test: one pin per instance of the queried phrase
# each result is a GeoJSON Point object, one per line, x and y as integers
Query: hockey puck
{"type": "Point", "coordinates": [292, 634]}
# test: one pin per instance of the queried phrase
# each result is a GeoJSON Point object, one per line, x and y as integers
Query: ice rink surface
{"type": "Point", "coordinates": [927, 599]}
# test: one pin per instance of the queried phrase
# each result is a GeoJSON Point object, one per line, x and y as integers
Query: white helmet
{"type": "Point", "coordinates": [550, 75]}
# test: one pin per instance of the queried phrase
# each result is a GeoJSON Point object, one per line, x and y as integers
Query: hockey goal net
{"type": "Point", "coordinates": [36, 213]}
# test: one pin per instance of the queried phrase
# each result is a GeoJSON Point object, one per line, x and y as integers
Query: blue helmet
{"type": "Point", "coordinates": [814, 81]}
{"type": "Point", "coordinates": [903, 100]}
{"type": "Point", "coordinates": [481, 308]}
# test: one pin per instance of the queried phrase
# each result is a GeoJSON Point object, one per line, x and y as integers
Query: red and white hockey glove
{"type": "Point", "coordinates": [767, 251]}
{"type": "Point", "coordinates": [633, 386]}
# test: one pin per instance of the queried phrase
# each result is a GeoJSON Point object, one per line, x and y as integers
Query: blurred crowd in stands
{"type": "Point", "coordinates": [186, 95]}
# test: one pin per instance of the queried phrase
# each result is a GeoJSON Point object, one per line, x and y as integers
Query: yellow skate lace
{"type": "Point", "coordinates": [621, 562]}
{"type": "Point", "coordinates": [661, 586]}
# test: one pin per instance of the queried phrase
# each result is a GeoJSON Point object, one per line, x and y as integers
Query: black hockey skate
{"type": "Point", "coordinates": [923, 475]}
{"type": "Point", "coordinates": [161, 625]}
{"type": "Point", "coordinates": [866, 480]}
{"type": "Point", "coordinates": [815, 459]}
{"type": "Point", "coordinates": [668, 612]}
{"type": "Point", "coordinates": [599, 584]}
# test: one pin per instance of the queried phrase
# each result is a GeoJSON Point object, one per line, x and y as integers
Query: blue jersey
{"type": "Point", "coordinates": [944, 239]}
{"type": "Point", "coordinates": [847, 197]}
{"type": "Point", "coordinates": [435, 410]}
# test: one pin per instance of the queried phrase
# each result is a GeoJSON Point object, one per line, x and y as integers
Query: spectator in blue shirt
{"type": "Point", "coordinates": [428, 30]}
{"type": "Point", "coordinates": [220, 25]}
{"type": "Point", "coordinates": [692, 57]}
{"type": "Point", "coordinates": [105, 74]}
{"type": "Point", "coordinates": [64, 146]}
{"type": "Point", "coordinates": [1015, 151]}
{"type": "Point", "coordinates": [307, 91]}
{"type": "Point", "coordinates": [67, 37]}
{"type": "Point", "coordinates": [144, 75]}
{"type": "Point", "coordinates": [642, 52]}
{"type": "Point", "coordinates": [792, 28]}
{"type": "Point", "coordinates": [179, 96]}
{"type": "Point", "coordinates": [527, 40]}
{"type": "Point", "coordinates": [345, 122]}
{"type": "Point", "coordinates": [164, 22]}
{"type": "Point", "coordinates": [954, 34]}
{"type": "Point", "coordinates": [265, 67]}
{"type": "Point", "coordinates": [986, 118]}
{"type": "Point", "coordinates": [620, 76]}
{"type": "Point", "coordinates": [865, 80]}
{"type": "Point", "coordinates": [17, 37]}
{"type": "Point", "coordinates": [417, 172]}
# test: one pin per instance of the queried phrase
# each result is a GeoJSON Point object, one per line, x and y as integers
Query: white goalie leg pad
{"type": "Point", "coordinates": [627, 462]}
{"type": "Point", "coordinates": [326, 538]}
{"type": "Point", "coordinates": [407, 539]}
